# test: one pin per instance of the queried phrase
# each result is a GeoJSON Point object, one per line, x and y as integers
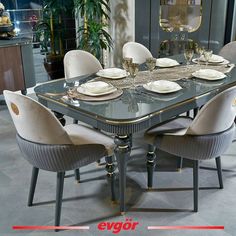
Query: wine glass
{"type": "Point", "coordinates": [151, 64]}
{"type": "Point", "coordinates": [199, 50]}
{"type": "Point", "coordinates": [207, 55]}
{"type": "Point", "coordinates": [188, 54]}
{"type": "Point", "coordinates": [133, 70]}
{"type": "Point", "coordinates": [126, 62]}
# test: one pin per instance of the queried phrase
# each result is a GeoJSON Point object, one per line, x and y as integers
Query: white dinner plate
{"type": "Point", "coordinates": [202, 76]}
{"type": "Point", "coordinates": [155, 88]}
{"type": "Point", "coordinates": [85, 91]}
{"type": "Point", "coordinates": [112, 73]}
{"type": "Point", "coordinates": [213, 59]}
{"type": "Point", "coordinates": [166, 62]}
{"type": "Point", "coordinates": [224, 62]}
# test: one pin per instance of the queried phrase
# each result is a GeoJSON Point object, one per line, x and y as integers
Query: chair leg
{"type": "Point", "coordinates": [59, 193]}
{"type": "Point", "coordinates": [34, 177]}
{"type": "Point", "coordinates": [77, 175]}
{"type": "Point", "coordinates": [219, 171]}
{"type": "Point", "coordinates": [195, 184]}
{"type": "Point", "coordinates": [180, 163]}
{"type": "Point", "coordinates": [151, 163]}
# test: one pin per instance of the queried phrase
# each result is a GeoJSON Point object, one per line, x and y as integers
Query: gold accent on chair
{"type": "Point", "coordinates": [234, 102]}
{"type": "Point", "coordinates": [15, 108]}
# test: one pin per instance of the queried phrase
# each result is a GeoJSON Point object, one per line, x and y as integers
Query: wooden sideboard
{"type": "Point", "coordinates": [16, 65]}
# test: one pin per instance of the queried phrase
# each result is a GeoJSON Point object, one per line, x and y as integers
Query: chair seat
{"type": "Point", "coordinates": [80, 134]}
{"type": "Point", "coordinates": [195, 147]}
{"type": "Point", "coordinates": [177, 127]}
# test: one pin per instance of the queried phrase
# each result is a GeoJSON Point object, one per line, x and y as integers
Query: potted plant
{"type": "Point", "coordinates": [53, 29]}
{"type": "Point", "coordinates": [93, 18]}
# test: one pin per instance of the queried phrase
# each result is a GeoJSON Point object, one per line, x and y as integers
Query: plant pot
{"type": "Point", "coordinates": [54, 66]}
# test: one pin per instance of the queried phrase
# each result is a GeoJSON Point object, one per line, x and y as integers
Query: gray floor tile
{"type": "Point", "coordinates": [88, 203]}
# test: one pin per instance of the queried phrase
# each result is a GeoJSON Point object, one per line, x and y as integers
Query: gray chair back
{"type": "Point", "coordinates": [229, 52]}
{"type": "Point", "coordinates": [217, 115]}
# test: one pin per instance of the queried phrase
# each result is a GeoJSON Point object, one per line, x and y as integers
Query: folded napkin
{"type": "Point", "coordinates": [97, 87]}
{"type": "Point", "coordinates": [209, 73]}
{"type": "Point", "coordinates": [164, 86]}
{"type": "Point", "coordinates": [113, 72]}
{"type": "Point", "coordinates": [166, 62]}
{"type": "Point", "coordinates": [213, 59]}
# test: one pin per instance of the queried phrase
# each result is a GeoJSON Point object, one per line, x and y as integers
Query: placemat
{"type": "Point", "coordinates": [173, 73]}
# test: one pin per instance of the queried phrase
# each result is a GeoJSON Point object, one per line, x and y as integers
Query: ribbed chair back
{"type": "Point", "coordinates": [137, 51]}
{"type": "Point", "coordinates": [79, 62]}
{"type": "Point", "coordinates": [229, 52]}
{"type": "Point", "coordinates": [217, 115]}
{"type": "Point", "coordinates": [33, 121]}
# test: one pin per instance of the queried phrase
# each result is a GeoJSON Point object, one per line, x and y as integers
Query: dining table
{"type": "Point", "coordinates": [134, 109]}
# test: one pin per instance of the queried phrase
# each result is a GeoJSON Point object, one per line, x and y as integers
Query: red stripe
{"type": "Point", "coordinates": [46, 227]}
{"type": "Point", "coordinates": [186, 227]}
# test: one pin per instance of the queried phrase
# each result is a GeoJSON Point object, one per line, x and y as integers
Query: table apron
{"type": "Point", "coordinates": [132, 126]}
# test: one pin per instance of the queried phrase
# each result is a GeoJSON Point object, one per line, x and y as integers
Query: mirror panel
{"type": "Point", "coordinates": [180, 15]}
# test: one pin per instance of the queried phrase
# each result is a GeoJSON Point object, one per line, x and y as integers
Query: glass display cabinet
{"type": "Point", "coordinates": [180, 15]}
{"type": "Point", "coordinates": [25, 21]}
{"type": "Point", "coordinates": [179, 18]}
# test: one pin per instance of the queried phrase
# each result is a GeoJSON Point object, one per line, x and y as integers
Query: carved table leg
{"type": "Point", "coordinates": [151, 163]}
{"type": "Point", "coordinates": [122, 152]}
{"type": "Point", "coordinates": [110, 168]}
{"type": "Point", "coordinates": [75, 121]}
{"type": "Point", "coordinates": [2, 102]}
{"type": "Point", "coordinates": [24, 91]}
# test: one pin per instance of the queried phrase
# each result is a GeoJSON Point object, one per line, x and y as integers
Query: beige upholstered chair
{"type": "Point", "coordinates": [49, 146]}
{"type": "Point", "coordinates": [137, 51]}
{"type": "Point", "coordinates": [207, 136]}
{"type": "Point", "coordinates": [229, 52]}
{"type": "Point", "coordinates": [79, 62]}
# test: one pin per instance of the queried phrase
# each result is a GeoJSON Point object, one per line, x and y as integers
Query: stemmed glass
{"type": "Point", "coordinates": [71, 89]}
{"type": "Point", "coordinates": [207, 55]}
{"type": "Point", "coordinates": [151, 64]}
{"type": "Point", "coordinates": [133, 70]}
{"type": "Point", "coordinates": [188, 54]}
{"type": "Point", "coordinates": [126, 62]}
{"type": "Point", "coordinates": [200, 51]}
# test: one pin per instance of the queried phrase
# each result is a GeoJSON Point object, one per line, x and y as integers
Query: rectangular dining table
{"type": "Point", "coordinates": [134, 111]}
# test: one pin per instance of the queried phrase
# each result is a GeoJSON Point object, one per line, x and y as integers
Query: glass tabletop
{"type": "Point", "coordinates": [133, 104]}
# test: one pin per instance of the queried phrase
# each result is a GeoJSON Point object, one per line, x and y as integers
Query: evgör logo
{"type": "Point", "coordinates": [117, 227]}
